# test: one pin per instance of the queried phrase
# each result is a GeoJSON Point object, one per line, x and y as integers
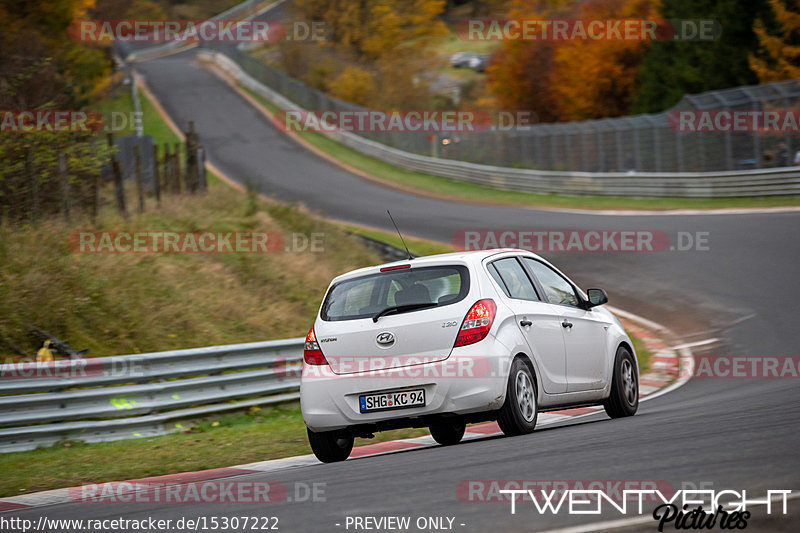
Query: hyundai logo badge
{"type": "Point", "coordinates": [385, 338]}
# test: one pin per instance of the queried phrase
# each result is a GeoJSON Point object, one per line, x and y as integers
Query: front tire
{"type": "Point", "coordinates": [448, 431]}
{"type": "Point", "coordinates": [624, 398]}
{"type": "Point", "coordinates": [520, 410]}
{"type": "Point", "coordinates": [330, 446]}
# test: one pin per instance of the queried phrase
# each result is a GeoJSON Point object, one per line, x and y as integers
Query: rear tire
{"type": "Point", "coordinates": [520, 410]}
{"type": "Point", "coordinates": [624, 398]}
{"type": "Point", "coordinates": [330, 446]}
{"type": "Point", "coordinates": [448, 431]}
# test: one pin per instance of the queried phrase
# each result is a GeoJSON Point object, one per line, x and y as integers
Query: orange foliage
{"type": "Point", "coordinates": [570, 79]}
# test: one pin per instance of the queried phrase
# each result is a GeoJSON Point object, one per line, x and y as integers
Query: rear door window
{"type": "Point", "coordinates": [365, 296]}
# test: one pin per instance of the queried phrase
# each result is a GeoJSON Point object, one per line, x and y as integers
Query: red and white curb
{"type": "Point", "coordinates": [669, 369]}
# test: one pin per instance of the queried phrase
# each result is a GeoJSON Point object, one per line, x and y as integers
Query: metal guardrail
{"type": "Point", "coordinates": [762, 182]}
{"type": "Point", "coordinates": [126, 396]}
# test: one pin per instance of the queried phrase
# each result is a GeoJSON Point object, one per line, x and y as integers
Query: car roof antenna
{"type": "Point", "coordinates": [410, 257]}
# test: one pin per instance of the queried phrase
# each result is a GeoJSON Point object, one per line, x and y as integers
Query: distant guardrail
{"type": "Point", "coordinates": [140, 395]}
{"type": "Point", "coordinates": [760, 182]}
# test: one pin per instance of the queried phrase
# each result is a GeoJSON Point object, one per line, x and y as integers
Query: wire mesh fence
{"type": "Point", "coordinates": [706, 138]}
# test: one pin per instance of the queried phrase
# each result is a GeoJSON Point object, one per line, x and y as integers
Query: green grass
{"type": "Point", "coordinates": [153, 124]}
{"type": "Point", "coordinates": [119, 102]}
{"type": "Point", "coordinates": [459, 190]}
{"type": "Point", "coordinates": [463, 74]}
{"type": "Point", "coordinates": [259, 434]}
{"type": "Point", "coordinates": [452, 43]}
{"type": "Point", "coordinates": [418, 247]}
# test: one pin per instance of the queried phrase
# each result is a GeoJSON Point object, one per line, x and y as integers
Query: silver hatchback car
{"type": "Point", "coordinates": [451, 339]}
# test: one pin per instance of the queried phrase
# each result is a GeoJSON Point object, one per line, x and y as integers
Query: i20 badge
{"type": "Point", "coordinates": [385, 339]}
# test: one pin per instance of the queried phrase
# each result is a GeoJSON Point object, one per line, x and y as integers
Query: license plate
{"type": "Point", "coordinates": [386, 401]}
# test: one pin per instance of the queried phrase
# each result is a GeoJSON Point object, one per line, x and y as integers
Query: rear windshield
{"type": "Point", "coordinates": [365, 296]}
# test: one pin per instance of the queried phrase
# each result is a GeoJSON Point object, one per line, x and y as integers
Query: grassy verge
{"type": "Point", "coordinates": [255, 435]}
{"type": "Point", "coordinates": [152, 123]}
{"type": "Point", "coordinates": [119, 101]}
{"type": "Point", "coordinates": [459, 190]}
{"type": "Point", "coordinates": [120, 303]}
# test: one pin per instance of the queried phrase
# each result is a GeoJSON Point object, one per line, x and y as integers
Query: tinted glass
{"type": "Point", "coordinates": [556, 288]}
{"type": "Point", "coordinates": [516, 281]}
{"type": "Point", "coordinates": [365, 296]}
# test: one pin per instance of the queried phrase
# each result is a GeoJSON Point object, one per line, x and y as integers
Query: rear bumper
{"type": "Point", "coordinates": [464, 383]}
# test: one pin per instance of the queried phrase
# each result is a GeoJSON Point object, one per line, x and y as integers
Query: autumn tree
{"type": "Point", "coordinates": [521, 74]}
{"type": "Point", "coordinates": [37, 53]}
{"type": "Point", "coordinates": [597, 78]}
{"type": "Point", "coordinates": [384, 42]}
{"type": "Point", "coordinates": [778, 56]}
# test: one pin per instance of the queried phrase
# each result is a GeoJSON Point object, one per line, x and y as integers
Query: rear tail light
{"type": "Point", "coordinates": [477, 323]}
{"type": "Point", "coordinates": [312, 354]}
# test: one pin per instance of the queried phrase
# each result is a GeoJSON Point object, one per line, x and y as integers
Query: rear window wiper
{"type": "Point", "coordinates": [401, 309]}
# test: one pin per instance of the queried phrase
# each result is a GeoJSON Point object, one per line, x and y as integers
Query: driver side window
{"type": "Point", "coordinates": [557, 289]}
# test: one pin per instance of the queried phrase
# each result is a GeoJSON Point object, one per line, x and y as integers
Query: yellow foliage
{"type": "Point", "coordinates": [781, 60]}
{"type": "Point", "coordinates": [354, 85]}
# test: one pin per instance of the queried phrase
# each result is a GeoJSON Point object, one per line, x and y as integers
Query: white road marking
{"type": "Point", "coordinates": [695, 344]}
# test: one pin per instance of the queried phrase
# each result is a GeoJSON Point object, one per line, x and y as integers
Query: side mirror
{"type": "Point", "coordinates": [596, 297]}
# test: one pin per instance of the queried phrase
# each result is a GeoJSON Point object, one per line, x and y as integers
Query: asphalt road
{"type": "Point", "coordinates": [733, 433]}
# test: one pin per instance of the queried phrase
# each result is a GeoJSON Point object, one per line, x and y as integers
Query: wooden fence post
{"type": "Point", "coordinates": [167, 171]}
{"type": "Point", "coordinates": [192, 178]}
{"type": "Point", "coordinates": [137, 156]}
{"type": "Point", "coordinates": [119, 188]}
{"type": "Point", "coordinates": [177, 167]}
{"type": "Point", "coordinates": [62, 174]}
{"type": "Point", "coordinates": [156, 178]}
{"type": "Point", "coordinates": [201, 167]}
{"type": "Point", "coordinates": [32, 184]}
{"type": "Point", "coordinates": [95, 197]}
